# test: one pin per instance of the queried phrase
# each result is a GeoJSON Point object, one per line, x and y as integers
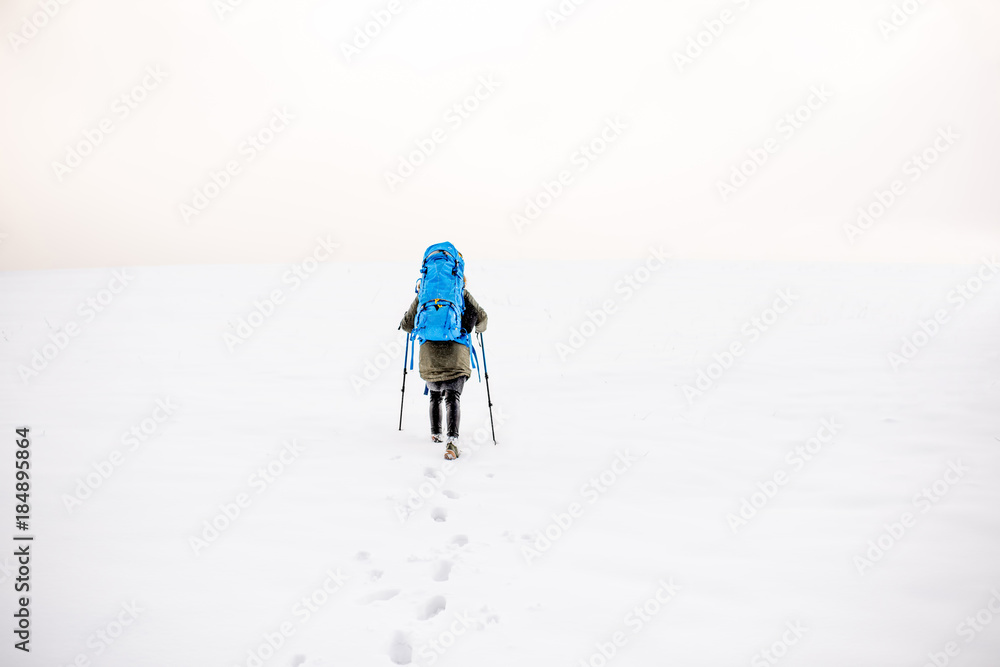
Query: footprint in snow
{"type": "Point", "coordinates": [400, 651]}
{"type": "Point", "coordinates": [432, 608]}
{"type": "Point", "coordinates": [448, 493]}
{"type": "Point", "coordinates": [439, 514]}
{"type": "Point", "coordinates": [442, 570]}
{"type": "Point", "coordinates": [489, 615]}
{"type": "Point", "coordinates": [460, 540]}
{"type": "Point", "coordinates": [379, 596]}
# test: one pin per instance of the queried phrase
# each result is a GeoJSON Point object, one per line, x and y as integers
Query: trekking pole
{"type": "Point", "coordinates": [402, 394]}
{"type": "Point", "coordinates": [486, 373]}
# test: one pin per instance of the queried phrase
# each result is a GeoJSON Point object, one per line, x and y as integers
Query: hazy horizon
{"type": "Point", "coordinates": [163, 98]}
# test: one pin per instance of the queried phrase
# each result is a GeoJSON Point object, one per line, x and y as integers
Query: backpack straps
{"type": "Point", "coordinates": [475, 359]}
{"type": "Point", "coordinates": [413, 340]}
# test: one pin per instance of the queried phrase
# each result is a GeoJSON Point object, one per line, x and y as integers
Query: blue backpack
{"type": "Point", "coordinates": [441, 299]}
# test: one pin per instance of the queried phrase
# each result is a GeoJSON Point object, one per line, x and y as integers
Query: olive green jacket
{"type": "Point", "coordinates": [445, 360]}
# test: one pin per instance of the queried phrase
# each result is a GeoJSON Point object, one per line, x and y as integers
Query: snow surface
{"type": "Point", "coordinates": [458, 560]}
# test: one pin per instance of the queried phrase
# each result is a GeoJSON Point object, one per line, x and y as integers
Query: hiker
{"type": "Point", "coordinates": [442, 318]}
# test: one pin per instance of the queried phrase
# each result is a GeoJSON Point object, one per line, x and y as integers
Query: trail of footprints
{"type": "Point", "coordinates": [400, 648]}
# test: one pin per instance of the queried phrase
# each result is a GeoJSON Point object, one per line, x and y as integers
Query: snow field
{"type": "Point", "coordinates": [598, 531]}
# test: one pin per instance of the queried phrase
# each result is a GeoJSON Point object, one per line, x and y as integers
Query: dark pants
{"type": "Point", "coordinates": [450, 392]}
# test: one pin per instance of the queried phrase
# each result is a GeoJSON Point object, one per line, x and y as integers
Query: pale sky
{"type": "Point", "coordinates": [198, 80]}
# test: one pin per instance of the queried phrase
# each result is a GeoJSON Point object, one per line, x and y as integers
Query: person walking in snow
{"type": "Point", "coordinates": [443, 322]}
